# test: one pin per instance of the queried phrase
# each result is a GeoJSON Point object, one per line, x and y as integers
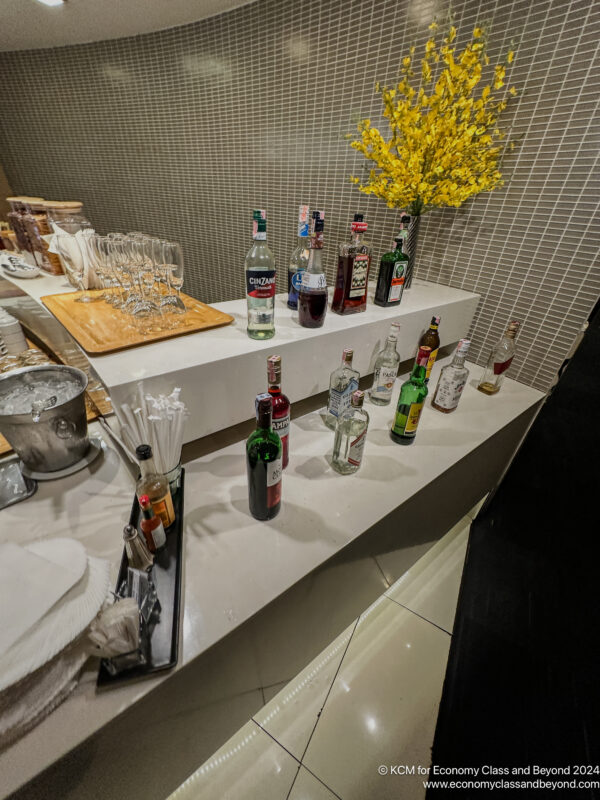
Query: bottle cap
{"type": "Point", "coordinates": [435, 321]}
{"type": "Point", "coordinates": [303, 221]}
{"type": "Point", "coordinates": [423, 356]}
{"type": "Point", "coordinates": [348, 355]}
{"type": "Point", "coordinates": [274, 368]}
{"type": "Point", "coordinates": [318, 221]}
{"type": "Point", "coordinates": [358, 225]}
{"type": "Point", "coordinates": [463, 347]}
{"type": "Point", "coordinates": [259, 221]}
{"type": "Point", "coordinates": [264, 405]}
{"type": "Point", "coordinates": [144, 500]}
{"type": "Point", "coordinates": [395, 327]}
{"type": "Point", "coordinates": [513, 328]}
{"type": "Point", "coordinates": [129, 533]}
{"type": "Point", "coordinates": [405, 220]}
{"type": "Point", "coordinates": [143, 452]}
{"type": "Point", "coordinates": [358, 398]}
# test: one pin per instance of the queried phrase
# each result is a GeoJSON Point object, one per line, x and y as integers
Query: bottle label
{"type": "Point", "coordinates": [281, 426]}
{"type": "Point", "coordinates": [502, 366]}
{"type": "Point", "coordinates": [448, 392]}
{"type": "Point", "coordinates": [260, 283]}
{"type": "Point", "coordinates": [303, 221]}
{"type": "Point", "coordinates": [357, 447]}
{"type": "Point", "coordinates": [274, 472]}
{"type": "Point", "coordinates": [360, 272]}
{"type": "Point", "coordinates": [164, 509]}
{"type": "Point", "coordinates": [339, 402]}
{"type": "Point", "coordinates": [297, 279]}
{"type": "Point", "coordinates": [158, 536]}
{"type": "Point", "coordinates": [430, 363]}
{"type": "Point", "coordinates": [313, 280]}
{"type": "Point", "coordinates": [407, 419]}
{"type": "Point", "coordinates": [383, 382]}
{"type": "Point", "coordinates": [397, 283]}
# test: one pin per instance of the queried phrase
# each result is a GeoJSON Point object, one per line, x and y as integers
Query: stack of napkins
{"type": "Point", "coordinates": [50, 591]}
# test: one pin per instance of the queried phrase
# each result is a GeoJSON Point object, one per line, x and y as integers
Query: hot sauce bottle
{"type": "Point", "coordinates": [350, 294]}
{"type": "Point", "coordinates": [151, 526]}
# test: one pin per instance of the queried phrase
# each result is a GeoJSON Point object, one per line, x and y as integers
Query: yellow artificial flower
{"type": "Point", "coordinates": [442, 147]}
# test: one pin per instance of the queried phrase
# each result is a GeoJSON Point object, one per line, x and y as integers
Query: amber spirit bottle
{"type": "Point", "coordinates": [431, 339]}
{"type": "Point", "coordinates": [263, 463]}
{"type": "Point", "coordinates": [260, 281]}
{"type": "Point", "coordinates": [281, 405]}
{"type": "Point", "coordinates": [410, 402]}
{"type": "Point", "coordinates": [299, 258]}
{"type": "Point", "coordinates": [312, 297]}
{"type": "Point", "coordinates": [499, 361]}
{"type": "Point", "coordinates": [452, 380]}
{"type": "Point", "coordinates": [354, 260]}
{"type": "Point", "coordinates": [392, 270]}
{"type": "Point", "coordinates": [154, 485]}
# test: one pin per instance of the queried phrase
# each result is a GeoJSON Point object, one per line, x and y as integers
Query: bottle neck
{"type": "Point", "coordinates": [303, 242]}
{"type": "Point", "coordinates": [418, 373]}
{"type": "Point", "coordinates": [433, 328]}
{"type": "Point", "coordinates": [357, 237]}
{"type": "Point", "coordinates": [147, 467]}
{"type": "Point", "coordinates": [314, 260]}
{"type": "Point", "coordinates": [459, 360]}
{"type": "Point", "coordinates": [390, 344]}
{"type": "Point", "coordinates": [347, 362]}
{"type": "Point", "coordinates": [263, 420]}
{"type": "Point", "coordinates": [275, 387]}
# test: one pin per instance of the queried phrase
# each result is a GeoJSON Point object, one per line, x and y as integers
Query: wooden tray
{"type": "Point", "coordinates": [99, 328]}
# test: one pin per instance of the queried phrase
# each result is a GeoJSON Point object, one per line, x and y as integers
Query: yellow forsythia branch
{"type": "Point", "coordinates": [443, 144]}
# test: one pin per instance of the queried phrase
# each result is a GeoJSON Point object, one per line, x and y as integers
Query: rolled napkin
{"type": "Point", "coordinates": [116, 630]}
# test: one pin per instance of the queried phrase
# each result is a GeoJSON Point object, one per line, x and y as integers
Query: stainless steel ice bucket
{"type": "Point", "coordinates": [55, 436]}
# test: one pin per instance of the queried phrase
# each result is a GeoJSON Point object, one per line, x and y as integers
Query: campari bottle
{"type": "Point", "coordinates": [299, 258]}
{"type": "Point", "coordinates": [410, 402]}
{"type": "Point", "coordinates": [312, 297]}
{"type": "Point", "coordinates": [260, 281]}
{"type": "Point", "coordinates": [281, 405]}
{"type": "Point", "coordinates": [354, 260]}
{"type": "Point", "coordinates": [263, 463]}
{"type": "Point", "coordinates": [499, 361]}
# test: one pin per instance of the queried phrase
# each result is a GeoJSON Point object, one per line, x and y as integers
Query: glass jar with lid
{"type": "Point", "coordinates": [67, 215]}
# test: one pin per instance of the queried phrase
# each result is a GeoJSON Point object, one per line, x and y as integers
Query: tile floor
{"type": "Point", "coordinates": [368, 701]}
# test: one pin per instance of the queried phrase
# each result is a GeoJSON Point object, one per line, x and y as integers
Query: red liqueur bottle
{"type": "Point", "coordinates": [354, 261]}
{"type": "Point", "coordinates": [281, 405]}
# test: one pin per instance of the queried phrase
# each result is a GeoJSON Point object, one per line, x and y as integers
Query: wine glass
{"type": "Point", "coordinates": [173, 268]}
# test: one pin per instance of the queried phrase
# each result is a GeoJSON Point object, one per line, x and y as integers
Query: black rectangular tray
{"type": "Point", "coordinates": [164, 643]}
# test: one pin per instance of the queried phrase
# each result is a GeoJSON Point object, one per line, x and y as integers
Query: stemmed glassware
{"type": "Point", "coordinates": [141, 275]}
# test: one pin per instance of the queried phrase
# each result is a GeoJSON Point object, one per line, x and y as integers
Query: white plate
{"type": "Point", "coordinates": [63, 623]}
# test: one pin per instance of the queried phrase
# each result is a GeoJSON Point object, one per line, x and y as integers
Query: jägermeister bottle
{"type": "Point", "coordinates": [410, 402]}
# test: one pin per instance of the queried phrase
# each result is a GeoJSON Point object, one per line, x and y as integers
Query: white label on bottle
{"type": "Point", "coordinates": [313, 280]}
{"type": "Point", "coordinates": [274, 470]}
{"type": "Point", "coordinates": [360, 271]}
{"type": "Point", "coordinates": [449, 391]}
{"type": "Point", "coordinates": [339, 402]}
{"type": "Point", "coordinates": [158, 536]}
{"type": "Point", "coordinates": [383, 382]}
{"type": "Point", "coordinates": [357, 447]}
{"type": "Point", "coordinates": [282, 426]}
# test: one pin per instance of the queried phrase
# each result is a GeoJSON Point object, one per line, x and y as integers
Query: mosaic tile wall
{"type": "Point", "coordinates": [181, 133]}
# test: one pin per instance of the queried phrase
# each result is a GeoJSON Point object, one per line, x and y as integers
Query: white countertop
{"type": "Point", "coordinates": [234, 564]}
{"type": "Point", "coordinates": [220, 371]}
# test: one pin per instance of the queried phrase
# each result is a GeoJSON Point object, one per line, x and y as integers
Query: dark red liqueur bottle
{"type": "Point", "coordinates": [312, 297]}
{"type": "Point", "coordinates": [354, 261]}
{"type": "Point", "coordinates": [281, 405]}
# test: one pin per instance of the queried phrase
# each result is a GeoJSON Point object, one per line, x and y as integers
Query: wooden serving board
{"type": "Point", "coordinates": [100, 329]}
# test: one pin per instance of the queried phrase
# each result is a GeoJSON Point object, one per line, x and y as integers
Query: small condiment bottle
{"type": "Point", "coordinates": [154, 485]}
{"type": "Point", "coordinates": [138, 556]}
{"type": "Point", "coordinates": [151, 525]}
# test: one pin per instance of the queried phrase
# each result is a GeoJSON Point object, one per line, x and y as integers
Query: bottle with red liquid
{"type": "Point", "coordinates": [151, 525]}
{"type": "Point", "coordinates": [281, 405]}
{"type": "Point", "coordinates": [312, 297]}
{"type": "Point", "coordinates": [354, 261]}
